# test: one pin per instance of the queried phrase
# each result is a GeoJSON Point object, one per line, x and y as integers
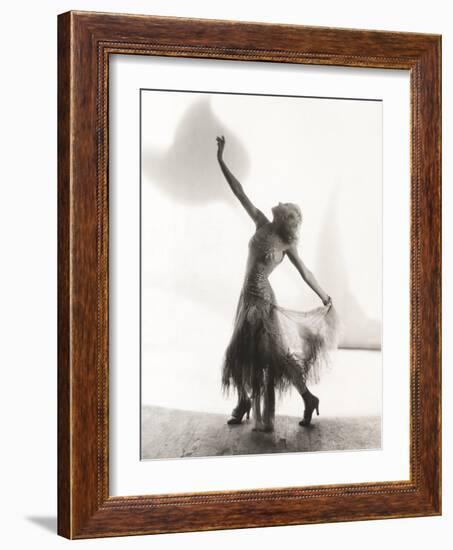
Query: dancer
{"type": "Point", "coordinates": [272, 347]}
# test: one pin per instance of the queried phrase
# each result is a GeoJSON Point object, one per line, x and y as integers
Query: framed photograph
{"type": "Point", "coordinates": [249, 277]}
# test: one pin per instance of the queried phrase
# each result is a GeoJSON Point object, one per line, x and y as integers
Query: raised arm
{"type": "Point", "coordinates": [257, 216]}
{"type": "Point", "coordinates": [307, 275]}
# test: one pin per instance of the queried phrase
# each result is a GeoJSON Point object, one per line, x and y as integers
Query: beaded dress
{"type": "Point", "coordinates": [267, 336]}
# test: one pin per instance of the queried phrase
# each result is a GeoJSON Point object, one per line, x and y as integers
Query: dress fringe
{"type": "Point", "coordinates": [269, 337]}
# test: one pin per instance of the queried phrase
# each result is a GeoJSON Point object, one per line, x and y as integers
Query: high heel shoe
{"type": "Point", "coordinates": [311, 404]}
{"type": "Point", "coordinates": [238, 412]}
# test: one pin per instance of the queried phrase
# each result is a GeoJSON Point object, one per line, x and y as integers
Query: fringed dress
{"type": "Point", "coordinates": [267, 336]}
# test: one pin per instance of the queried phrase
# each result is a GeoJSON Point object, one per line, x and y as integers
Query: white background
{"type": "Point", "coordinates": [323, 154]}
{"type": "Point", "coordinates": [28, 289]}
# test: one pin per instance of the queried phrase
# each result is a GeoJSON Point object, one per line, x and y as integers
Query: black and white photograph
{"type": "Point", "coordinates": [226, 255]}
{"type": "Point", "coordinates": [261, 273]}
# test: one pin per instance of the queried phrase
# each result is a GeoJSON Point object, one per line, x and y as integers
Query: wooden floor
{"type": "Point", "coordinates": [172, 433]}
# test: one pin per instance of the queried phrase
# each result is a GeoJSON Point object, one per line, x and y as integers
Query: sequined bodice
{"type": "Point", "coordinates": [266, 251]}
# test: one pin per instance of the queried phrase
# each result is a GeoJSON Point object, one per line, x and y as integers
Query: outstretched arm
{"type": "Point", "coordinates": [257, 216]}
{"type": "Point", "coordinates": [307, 275]}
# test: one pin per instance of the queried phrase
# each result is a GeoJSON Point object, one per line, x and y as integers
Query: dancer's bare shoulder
{"type": "Point", "coordinates": [292, 249]}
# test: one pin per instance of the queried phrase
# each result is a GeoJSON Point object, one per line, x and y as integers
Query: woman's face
{"type": "Point", "coordinates": [288, 214]}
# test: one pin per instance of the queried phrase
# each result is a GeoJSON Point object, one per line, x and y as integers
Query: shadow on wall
{"type": "Point", "coordinates": [359, 330]}
{"type": "Point", "coordinates": [188, 173]}
{"type": "Point", "coordinates": [188, 170]}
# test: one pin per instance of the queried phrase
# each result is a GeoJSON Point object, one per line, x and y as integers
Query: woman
{"type": "Point", "coordinates": [272, 347]}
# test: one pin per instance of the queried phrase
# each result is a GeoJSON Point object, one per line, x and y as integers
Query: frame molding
{"type": "Point", "coordinates": [85, 42]}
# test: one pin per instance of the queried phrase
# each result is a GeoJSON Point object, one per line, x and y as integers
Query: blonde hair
{"type": "Point", "coordinates": [282, 214]}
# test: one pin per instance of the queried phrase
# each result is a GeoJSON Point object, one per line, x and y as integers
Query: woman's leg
{"type": "Point", "coordinates": [242, 407]}
{"type": "Point", "coordinates": [269, 401]}
{"type": "Point", "coordinates": [242, 395]}
{"type": "Point", "coordinates": [297, 376]}
{"type": "Point", "coordinates": [258, 424]}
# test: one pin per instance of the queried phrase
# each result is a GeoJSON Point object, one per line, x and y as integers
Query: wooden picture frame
{"type": "Point", "coordinates": [85, 42]}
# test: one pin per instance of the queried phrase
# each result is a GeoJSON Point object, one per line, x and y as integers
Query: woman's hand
{"type": "Point", "coordinates": [220, 146]}
{"type": "Point", "coordinates": [327, 301]}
